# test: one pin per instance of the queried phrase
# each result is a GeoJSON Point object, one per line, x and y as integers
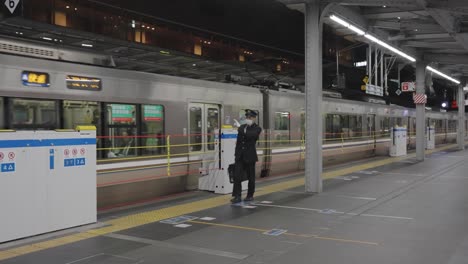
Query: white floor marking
{"type": "Point", "coordinates": [330, 211]}
{"type": "Point", "coordinates": [266, 202]}
{"type": "Point", "coordinates": [207, 218]}
{"type": "Point", "coordinates": [90, 257]}
{"type": "Point", "coordinates": [183, 225]}
{"type": "Point", "coordinates": [249, 207]}
{"type": "Point", "coordinates": [388, 216]}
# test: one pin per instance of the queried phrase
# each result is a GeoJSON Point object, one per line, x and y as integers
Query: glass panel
{"type": "Point", "coordinates": [34, 114]}
{"type": "Point", "coordinates": [196, 128]}
{"type": "Point", "coordinates": [282, 123]}
{"type": "Point", "coordinates": [121, 132]}
{"type": "Point", "coordinates": [77, 113]}
{"type": "Point", "coordinates": [2, 114]}
{"type": "Point", "coordinates": [212, 126]}
{"type": "Point", "coordinates": [153, 129]}
{"type": "Point", "coordinates": [121, 114]}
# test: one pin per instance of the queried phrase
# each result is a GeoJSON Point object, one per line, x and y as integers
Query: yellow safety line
{"type": "Point", "coordinates": [143, 218]}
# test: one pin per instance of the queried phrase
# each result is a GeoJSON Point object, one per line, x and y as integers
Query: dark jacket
{"type": "Point", "coordinates": [246, 150]}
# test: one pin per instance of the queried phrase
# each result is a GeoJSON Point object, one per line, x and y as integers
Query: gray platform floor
{"type": "Point", "coordinates": [404, 212]}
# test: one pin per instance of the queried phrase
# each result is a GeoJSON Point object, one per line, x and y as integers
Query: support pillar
{"type": "Point", "coordinates": [420, 111]}
{"type": "Point", "coordinates": [461, 118]}
{"type": "Point", "coordinates": [313, 90]}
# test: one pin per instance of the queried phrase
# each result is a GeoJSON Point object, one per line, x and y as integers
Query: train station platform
{"type": "Point", "coordinates": [391, 210]}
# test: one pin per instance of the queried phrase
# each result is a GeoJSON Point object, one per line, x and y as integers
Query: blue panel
{"type": "Point", "coordinates": [80, 161]}
{"type": "Point", "coordinates": [228, 135]}
{"type": "Point", "coordinates": [8, 167]}
{"type": "Point", "coordinates": [22, 143]}
{"type": "Point", "coordinates": [69, 162]}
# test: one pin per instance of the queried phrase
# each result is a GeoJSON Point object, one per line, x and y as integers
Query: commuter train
{"type": "Point", "coordinates": [155, 132]}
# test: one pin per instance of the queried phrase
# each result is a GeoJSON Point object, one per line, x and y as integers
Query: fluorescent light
{"type": "Point", "coordinates": [347, 25]}
{"type": "Point", "coordinates": [371, 38]}
{"type": "Point", "coordinates": [47, 38]}
{"type": "Point", "coordinates": [442, 75]}
{"type": "Point", "coordinates": [87, 45]}
{"type": "Point", "coordinates": [387, 46]}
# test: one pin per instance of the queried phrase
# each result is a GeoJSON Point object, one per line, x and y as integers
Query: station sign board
{"type": "Point", "coordinates": [37, 79]}
{"type": "Point", "coordinates": [83, 83]}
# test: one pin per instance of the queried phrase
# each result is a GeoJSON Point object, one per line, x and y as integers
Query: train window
{"type": "Point", "coordinates": [152, 129]}
{"type": "Point", "coordinates": [452, 126]}
{"type": "Point", "coordinates": [121, 130]}
{"type": "Point", "coordinates": [77, 113]}
{"type": "Point", "coordinates": [333, 125]}
{"type": "Point", "coordinates": [282, 121]}
{"type": "Point", "coordinates": [2, 114]}
{"type": "Point", "coordinates": [282, 126]}
{"type": "Point", "coordinates": [355, 126]}
{"type": "Point", "coordinates": [33, 114]}
{"type": "Point", "coordinates": [195, 127]}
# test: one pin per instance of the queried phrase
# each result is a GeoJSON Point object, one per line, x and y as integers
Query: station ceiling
{"type": "Point", "coordinates": [434, 29]}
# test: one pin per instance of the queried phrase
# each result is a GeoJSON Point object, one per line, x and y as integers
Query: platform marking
{"type": "Point", "coordinates": [275, 232]}
{"type": "Point", "coordinates": [207, 218]}
{"type": "Point", "coordinates": [331, 211]}
{"type": "Point", "coordinates": [183, 225]}
{"type": "Point", "coordinates": [289, 234]}
{"type": "Point", "coordinates": [166, 244]}
{"type": "Point", "coordinates": [89, 257]}
{"type": "Point", "coordinates": [178, 220]}
{"type": "Point", "coordinates": [139, 219]}
{"type": "Point", "coordinates": [266, 202]}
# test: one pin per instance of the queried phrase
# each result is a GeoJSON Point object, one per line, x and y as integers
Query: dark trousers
{"type": "Point", "coordinates": [249, 170]}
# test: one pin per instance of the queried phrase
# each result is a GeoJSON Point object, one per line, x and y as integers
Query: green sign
{"type": "Point", "coordinates": [122, 113]}
{"type": "Point", "coordinates": [153, 112]}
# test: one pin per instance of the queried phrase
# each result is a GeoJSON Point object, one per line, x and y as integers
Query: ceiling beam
{"type": "Point", "coordinates": [420, 36]}
{"type": "Point", "coordinates": [389, 3]}
{"type": "Point", "coordinates": [430, 45]}
{"type": "Point", "coordinates": [396, 15]}
{"type": "Point", "coordinates": [446, 59]}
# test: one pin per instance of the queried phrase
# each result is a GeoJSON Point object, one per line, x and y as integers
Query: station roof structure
{"type": "Point", "coordinates": [140, 57]}
{"type": "Point", "coordinates": [434, 29]}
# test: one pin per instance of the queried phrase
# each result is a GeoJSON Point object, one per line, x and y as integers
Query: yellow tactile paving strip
{"type": "Point", "coordinates": [139, 219]}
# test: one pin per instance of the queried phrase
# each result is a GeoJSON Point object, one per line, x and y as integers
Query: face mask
{"type": "Point", "coordinates": [249, 122]}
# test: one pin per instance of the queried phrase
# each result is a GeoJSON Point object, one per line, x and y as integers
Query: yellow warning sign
{"type": "Point", "coordinates": [365, 80]}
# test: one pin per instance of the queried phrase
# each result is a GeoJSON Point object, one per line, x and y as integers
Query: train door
{"type": "Point", "coordinates": [204, 120]}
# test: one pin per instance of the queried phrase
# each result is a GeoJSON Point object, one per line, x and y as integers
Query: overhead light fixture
{"type": "Point", "coordinates": [444, 104]}
{"type": "Point", "coordinates": [384, 6]}
{"type": "Point", "coordinates": [442, 75]}
{"type": "Point", "coordinates": [347, 25]}
{"type": "Point", "coordinates": [47, 38]}
{"type": "Point", "coordinates": [387, 46]}
{"type": "Point", "coordinates": [87, 45]}
{"type": "Point", "coordinates": [371, 38]}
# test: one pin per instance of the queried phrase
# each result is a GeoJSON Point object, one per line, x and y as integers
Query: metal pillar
{"type": "Point", "coordinates": [461, 118]}
{"type": "Point", "coordinates": [420, 111]}
{"type": "Point", "coordinates": [313, 61]}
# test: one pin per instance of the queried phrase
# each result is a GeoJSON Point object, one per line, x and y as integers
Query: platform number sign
{"type": "Point", "coordinates": [12, 5]}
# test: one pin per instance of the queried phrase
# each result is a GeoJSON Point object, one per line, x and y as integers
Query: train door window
{"type": "Point", "coordinates": [282, 127]}
{"type": "Point", "coordinates": [452, 126]}
{"type": "Point", "coordinates": [212, 116]}
{"type": "Point", "coordinates": [33, 114]}
{"type": "Point", "coordinates": [384, 126]}
{"type": "Point", "coordinates": [121, 130]}
{"type": "Point", "coordinates": [2, 113]}
{"type": "Point", "coordinates": [370, 125]}
{"type": "Point", "coordinates": [204, 120]}
{"type": "Point", "coordinates": [152, 129]}
{"type": "Point", "coordinates": [196, 127]}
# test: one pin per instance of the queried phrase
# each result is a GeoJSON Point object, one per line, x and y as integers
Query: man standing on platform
{"type": "Point", "coordinates": [246, 157]}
